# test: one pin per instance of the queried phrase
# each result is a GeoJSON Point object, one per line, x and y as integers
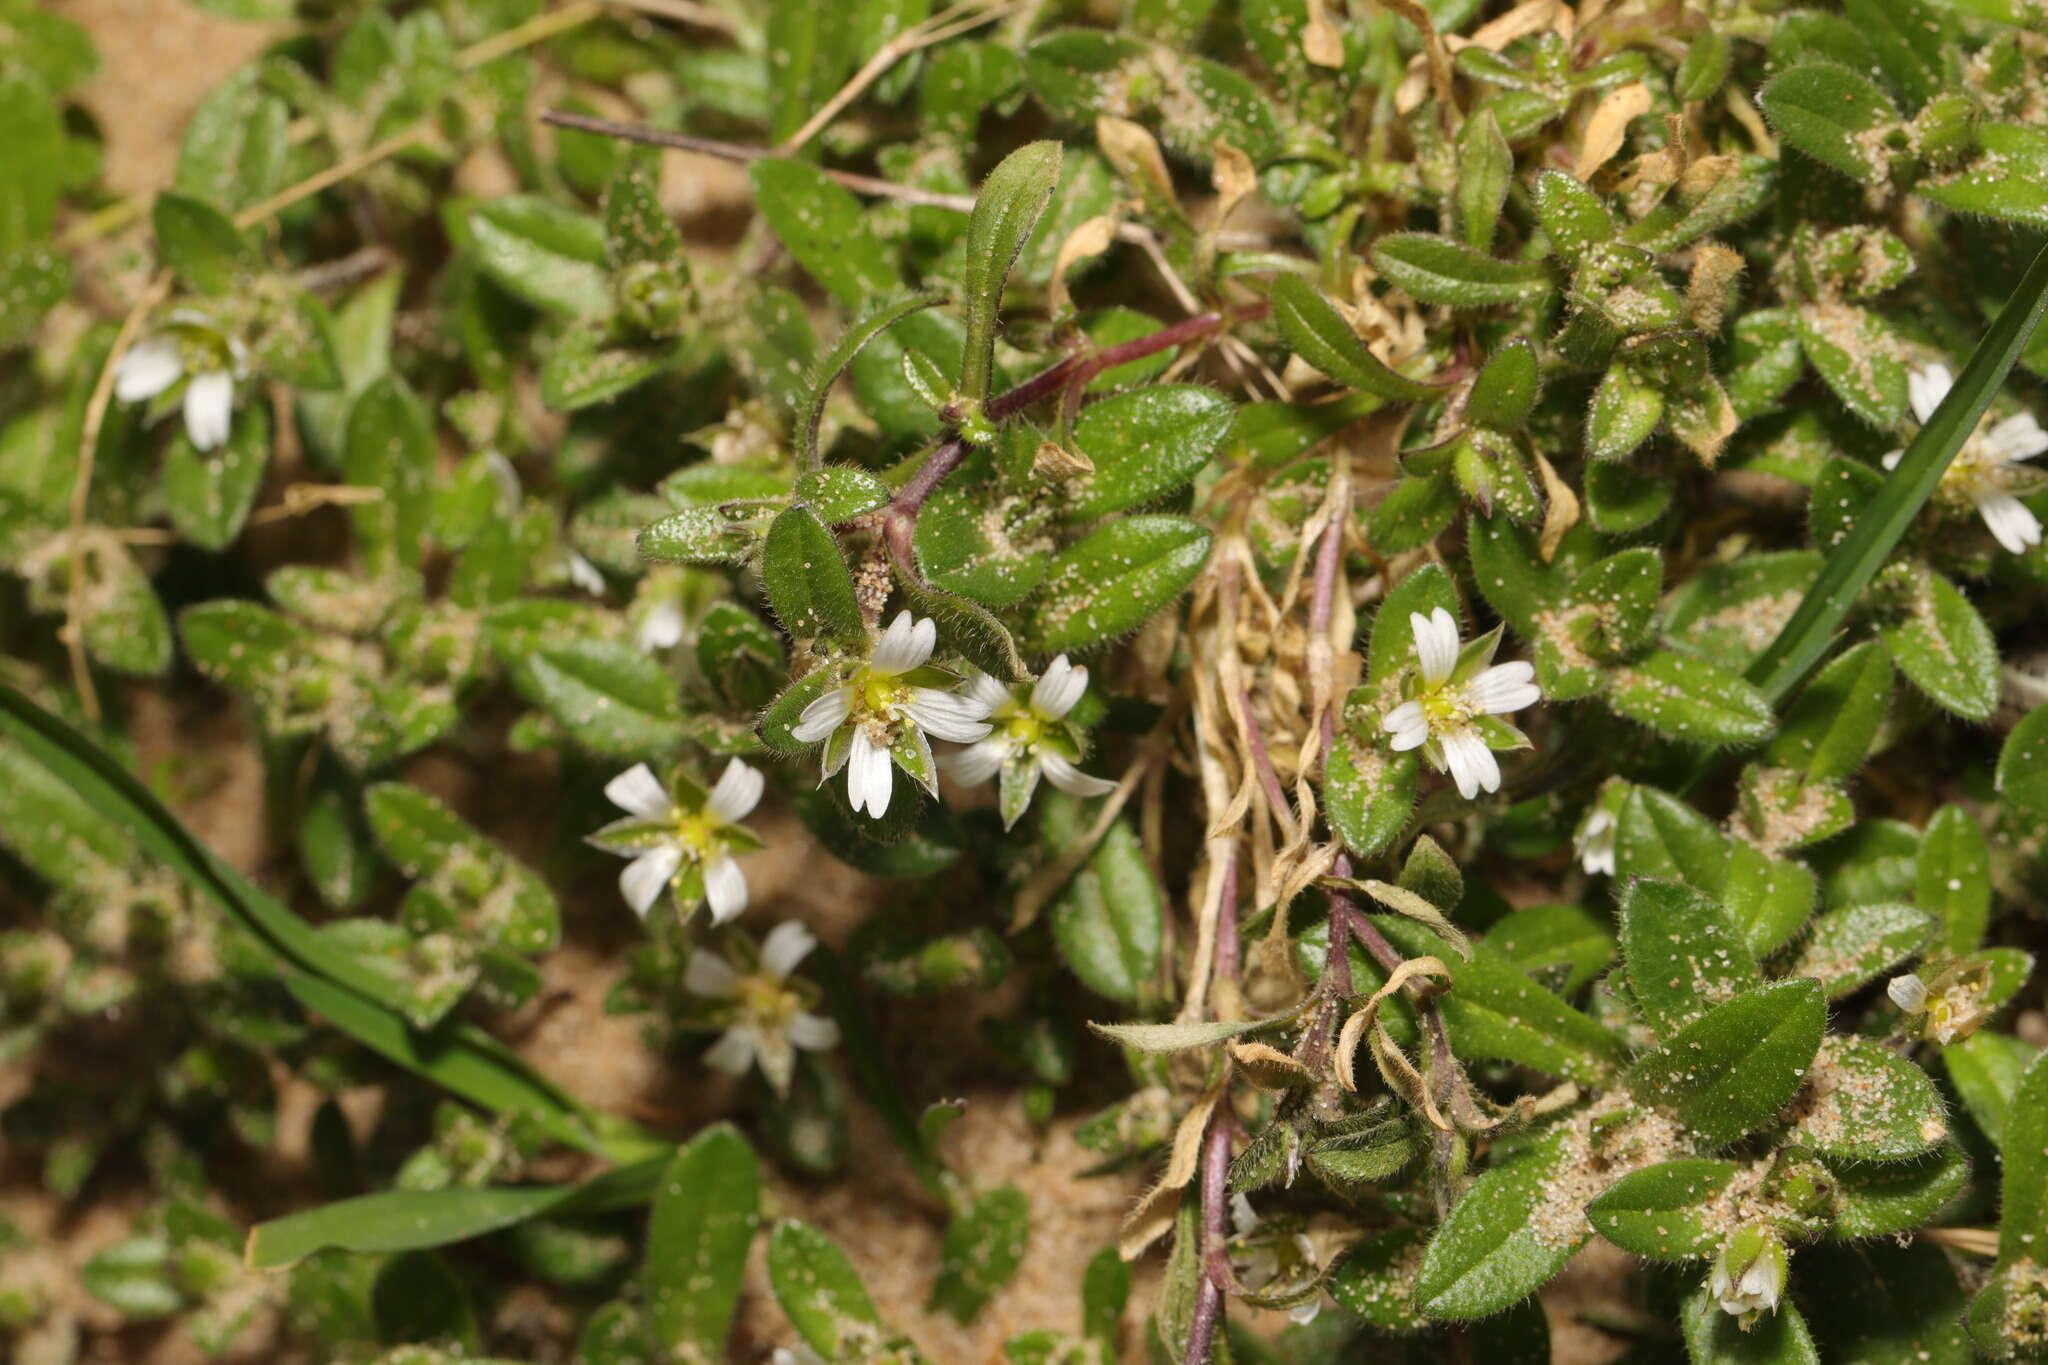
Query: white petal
{"type": "Point", "coordinates": [710, 975]}
{"type": "Point", "coordinates": [725, 888]}
{"type": "Point", "coordinates": [986, 690]}
{"type": "Point", "coordinates": [209, 408]}
{"type": "Point", "coordinates": [823, 716]}
{"type": "Point", "coordinates": [977, 763]}
{"type": "Point", "coordinates": [2018, 437]}
{"type": "Point", "coordinates": [1303, 1314]}
{"type": "Point", "coordinates": [813, 1032]}
{"type": "Point", "coordinates": [947, 715]}
{"type": "Point", "coordinates": [1242, 1218]}
{"type": "Point", "coordinates": [661, 628]}
{"type": "Point", "coordinates": [787, 944]}
{"type": "Point", "coordinates": [151, 366]}
{"type": "Point", "coordinates": [2012, 525]}
{"type": "Point", "coordinates": [738, 791]}
{"type": "Point", "coordinates": [734, 1053]}
{"type": "Point", "coordinates": [1071, 779]}
{"type": "Point", "coordinates": [1436, 643]}
{"type": "Point", "coordinates": [1926, 388]}
{"type": "Point", "coordinates": [648, 875]}
{"type": "Point", "coordinates": [1892, 458]}
{"type": "Point", "coordinates": [1504, 688]}
{"type": "Point", "coordinates": [1054, 694]}
{"type": "Point", "coordinates": [639, 791]}
{"type": "Point", "coordinates": [1472, 764]}
{"type": "Point", "coordinates": [868, 776]}
{"type": "Point", "coordinates": [905, 645]}
{"type": "Point", "coordinates": [1407, 724]}
{"type": "Point", "coordinates": [585, 575]}
{"type": "Point", "coordinates": [1908, 992]}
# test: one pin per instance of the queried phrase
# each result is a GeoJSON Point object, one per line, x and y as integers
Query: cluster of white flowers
{"type": "Point", "coordinates": [1453, 689]}
{"type": "Point", "coordinates": [210, 362]}
{"type": "Point", "coordinates": [1989, 468]}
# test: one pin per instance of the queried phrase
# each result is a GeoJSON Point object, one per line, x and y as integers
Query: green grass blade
{"type": "Point", "coordinates": [1805, 638]}
{"type": "Point", "coordinates": [414, 1220]}
{"type": "Point", "coordinates": [347, 992]}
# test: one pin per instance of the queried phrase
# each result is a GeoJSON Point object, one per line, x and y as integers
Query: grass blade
{"type": "Point", "coordinates": [1805, 638]}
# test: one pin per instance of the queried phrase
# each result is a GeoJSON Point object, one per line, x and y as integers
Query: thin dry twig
{"type": "Point", "coordinates": [951, 23]}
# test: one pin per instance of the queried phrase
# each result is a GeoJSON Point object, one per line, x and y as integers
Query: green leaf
{"type": "Point", "coordinates": [706, 1208]}
{"type": "Point", "coordinates": [1318, 333]}
{"type": "Point", "coordinates": [412, 1220]}
{"type": "Point", "coordinates": [983, 1246]}
{"type": "Point", "coordinates": [1505, 392]}
{"type": "Point", "coordinates": [1684, 957]}
{"type": "Point", "coordinates": [1856, 944]}
{"type": "Point", "coordinates": [1985, 1070]}
{"type": "Point", "coordinates": [1729, 1071]}
{"type": "Point", "coordinates": [819, 1289]}
{"type": "Point", "coordinates": [1370, 793]}
{"type": "Point", "coordinates": [1107, 922]}
{"type": "Point", "coordinates": [32, 131]}
{"type": "Point", "coordinates": [32, 282]}
{"type": "Point", "coordinates": [1572, 215]}
{"type": "Point", "coordinates": [1162, 1038]}
{"type": "Point", "coordinates": [209, 494]}
{"type": "Point", "coordinates": [1868, 1104]}
{"type": "Point", "coordinates": [1272, 434]}
{"type": "Point", "coordinates": [1145, 444]}
{"type": "Point", "coordinates": [806, 579]}
{"type": "Point", "coordinates": [1690, 700]}
{"type": "Point", "coordinates": [1659, 835]}
{"type": "Point", "coordinates": [1940, 642]}
{"type": "Point", "coordinates": [1911, 39]}
{"type": "Point", "coordinates": [550, 256]}
{"type": "Point", "coordinates": [1115, 578]}
{"type": "Point", "coordinates": [1829, 112]}
{"type": "Point", "coordinates": [1539, 939]}
{"type": "Point", "coordinates": [134, 1276]}
{"type": "Point", "coordinates": [1665, 1212]}
{"type": "Point", "coordinates": [1486, 167]}
{"type": "Point", "coordinates": [2023, 1203]}
{"type": "Point", "coordinates": [586, 368]}
{"type": "Point", "coordinates": [717, 534]}
{"type": "Point", "coordinates": [609, 695]}
{"type": "Point", "coordinates": [1713, 1337]}
{"type": "Point", "coordinates": [636, 227]}
{"type": "Point", "coordinates": [235, 149]}
{"type": "Point", "coordinates": [1437, 270]}
{"type": "Point", "coordinates": [1883, 1198]}
{"type": "Point", "coordinates": [968, 627]}
{"type": "Point", "coordinates": [1011, 199]}
{"type": "Point", "coordinates": [1952, 877]}
{"type": "Point", "coordinates": [1830, 729]}
{"type": "Point", "coordinates": [390, 445]}
{"type": "Point", "coordinates": [1626, 409]}
{"type": "Point", "coordinates": [2022, 777]}
{"type": "Point", "coordinates": [1768, 897]}
{"type": "Point", "coordinates": [1886, 1304]}
{"type": "Point", "coordinates": [1510, 1232]}
{"type": "Point", "coordinates": [1852, 563]}
{"type": "Point", "coordinates": [1372, 1280]}
{"type": "Point", "coordinates": [839, 493]}
{"type": "Point", "coordinates": [2004, 180]}
{"type": "Point", "coordinates": [199, 244]}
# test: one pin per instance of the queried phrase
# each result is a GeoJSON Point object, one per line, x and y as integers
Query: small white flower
{"type": "Point", "coordinates": [1989, 467]}
{"type": "Point", "coordinates": [798, 1354]}
{"type": "Point", "coordinates": [1908, 992]}
{"type": "Point", "coordinates": [1454, 687]}
{"type": "Point", "coordinates": [1263, 1260]}
{"type": "Point", "coordinates": [1030, 738]}
{"type": "Point", "coordinates": [684, 841]}
{"type": "Point", "coordinates": [190, 346]}
{"type": "Point", "coordinates": [1749, 1274]}
{"type": "Point", "coordinates": [885, 714]}
{"type": "Point", "coordinates": [661, 628]}
{"type": "Point", "coordinates": [1595, 842]}
{"type": "Point", "coordinates": [1948, 1008]}
{"type": "Point", "coordinates": [769, 1021]}
{"type": "Point", "coordinates": [585, 574]}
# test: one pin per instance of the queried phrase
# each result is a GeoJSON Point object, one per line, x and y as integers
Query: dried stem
{"type": "Point", "coordinates": [937, 29]}
{"type": "Point", "coordinates": [1208, 1314]}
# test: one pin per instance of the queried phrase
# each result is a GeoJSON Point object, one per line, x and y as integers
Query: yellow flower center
{"type": "Point", "coordinates": [879, 693]}
{"type": "Point", "coordinates": [1445, 708]}
{"type": "Point", "coordinates": [1025, 729]}
{"type": "Point", "coordinates": [766, 1001]}
{"type": "Point", "coordinates": [697, 831]}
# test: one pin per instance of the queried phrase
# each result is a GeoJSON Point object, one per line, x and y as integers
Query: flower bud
{"type": "Point", "coordinates": [1749, 1274]}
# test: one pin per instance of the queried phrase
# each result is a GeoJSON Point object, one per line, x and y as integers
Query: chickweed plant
{"type": "Point", "coordinates": [1425, 622]}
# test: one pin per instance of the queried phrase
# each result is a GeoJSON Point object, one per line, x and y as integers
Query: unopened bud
{"type": "Point", "coordinates": [1749, 1274]}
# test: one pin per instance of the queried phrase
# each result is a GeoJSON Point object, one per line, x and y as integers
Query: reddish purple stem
{"type": "Point", "coordinates": [1208, 1314]}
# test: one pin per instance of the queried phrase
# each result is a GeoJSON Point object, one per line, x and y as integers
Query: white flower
{"type": "Point", "coordinates": [769, 1020]}
{"type": "Point", "coordinates": [1031, 738]}
{"type": "Point", "coordinates": [661, 628]}
{"type": "Point", "coordinates": [190, 346]}
{"type": "Point", "coordinates": [1261, 1260]}
{"type": "Point", "coordinates": [684, 841]}
{"type": "Point", "coordinates": [798, 1354]}
{"type": "Point", "coordinates": [880, 716]}
{"type": "Point", "coordinates": [1948, 1008]}
{"type": "Point", "coordinates": [1749, 1274]}
{"type": "Point", "coordinates": [1595, 842]}
{"type": "Point", "coordinates": [585, 575]}
{"type": "Point", "coordinates": [1989, 467]}
{"type": "Point", "coordinates": [1454, 689]}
